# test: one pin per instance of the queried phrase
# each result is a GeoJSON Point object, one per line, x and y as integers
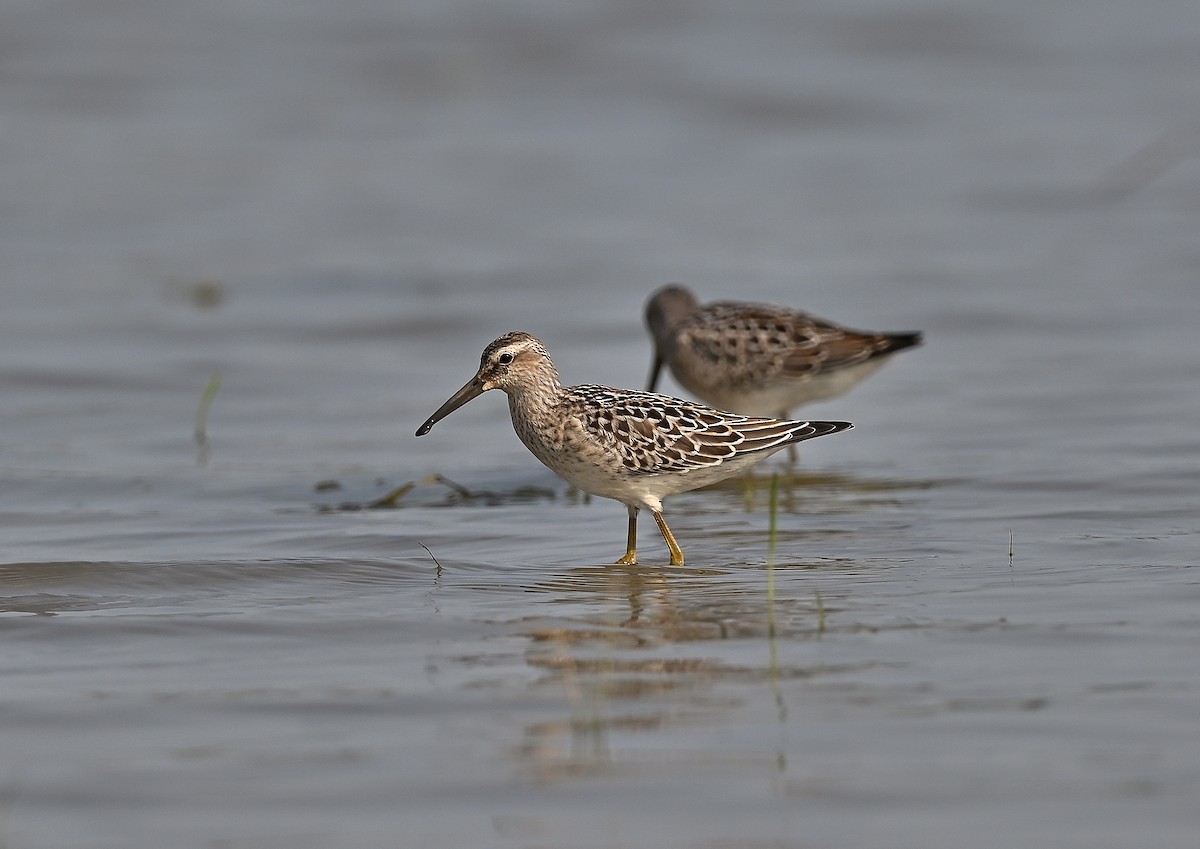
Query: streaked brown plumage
{"type": "Point", "coordinates": [634, 447]}
{"type": "Point", "coordinates": [758, 359]}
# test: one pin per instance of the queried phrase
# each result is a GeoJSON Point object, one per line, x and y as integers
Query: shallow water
{"type": "Point", "coordinates": [981, 620]}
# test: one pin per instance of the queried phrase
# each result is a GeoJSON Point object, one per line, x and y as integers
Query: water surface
{"type": "Point", "coordinates": [979, 624]}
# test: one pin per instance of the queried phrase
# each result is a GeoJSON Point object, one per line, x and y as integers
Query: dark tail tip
{"type": "Point", "coordinates": [900, 341]}
{"type": "Point", "coordinates": [825, 428]}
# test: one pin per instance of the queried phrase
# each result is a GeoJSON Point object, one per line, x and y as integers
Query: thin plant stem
{"type": "Point", "coordinates": [431, 555]}
{"type": "Point", "coordinates": [772, 540]}
{"type": "Point", "coordinates": [201, 431]}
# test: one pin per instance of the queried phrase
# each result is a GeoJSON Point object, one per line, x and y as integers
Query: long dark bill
{"type": "Point", "coordinates": [655, 368]}
{"type": "Point", "coordinates": [473, 389]}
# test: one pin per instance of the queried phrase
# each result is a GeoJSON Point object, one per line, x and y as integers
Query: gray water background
{"type": "Point", "coordinates": [332, 207]}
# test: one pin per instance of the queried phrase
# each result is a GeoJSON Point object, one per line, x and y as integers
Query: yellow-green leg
{"type": "Point", "coordinates": [676, 551]}
{"type": "Point", "coordinates": [630, 557]}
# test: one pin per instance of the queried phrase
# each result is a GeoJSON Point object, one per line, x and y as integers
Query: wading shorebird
{"type": "Point", "coordinates": [634, 447]}
{"type": "Point", "coordinates": [758, 359]}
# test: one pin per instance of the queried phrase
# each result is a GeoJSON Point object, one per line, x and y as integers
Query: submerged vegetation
{"type": "Point", "coordinates": [453, 492]}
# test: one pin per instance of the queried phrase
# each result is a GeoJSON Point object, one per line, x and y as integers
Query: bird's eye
{"type": "Point", "coordinates": [505, 359]}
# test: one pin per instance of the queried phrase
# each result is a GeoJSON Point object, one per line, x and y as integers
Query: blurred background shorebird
{"type": "Point", "coordinates": [759, 359]}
